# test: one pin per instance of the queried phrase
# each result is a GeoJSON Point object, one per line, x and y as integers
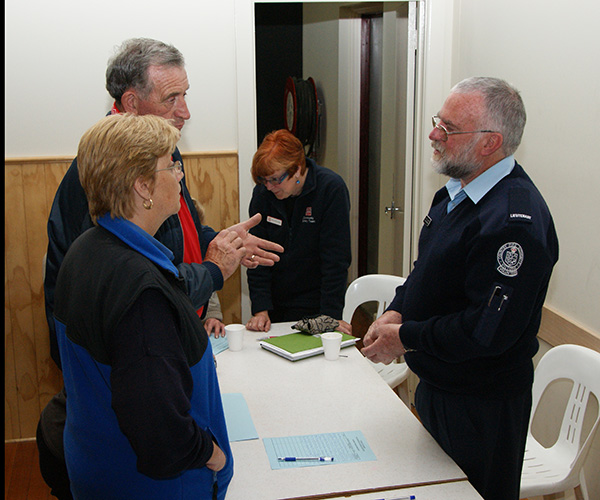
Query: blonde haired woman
{"type": "Point", "coordinates": [144, 412]}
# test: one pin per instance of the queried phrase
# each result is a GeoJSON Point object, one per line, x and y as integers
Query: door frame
{"type": "Point", "coordinates": [433, 83]}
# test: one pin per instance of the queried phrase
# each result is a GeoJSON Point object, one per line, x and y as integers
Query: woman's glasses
{"type": "Point", "coordinates": [273, 182]}
{"type": "Point", "coordinates": [175, 167]}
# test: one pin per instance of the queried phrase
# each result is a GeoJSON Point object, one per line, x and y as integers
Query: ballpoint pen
{"type": "Point", "coordinates": [409, 497]}
{"type": "Point", "coordinates": [303, 459]}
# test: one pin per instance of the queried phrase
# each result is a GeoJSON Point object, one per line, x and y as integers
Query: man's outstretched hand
{"type": "Point", "coordinates": [259, 252]}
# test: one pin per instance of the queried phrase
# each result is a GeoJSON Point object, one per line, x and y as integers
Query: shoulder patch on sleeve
{"type": "Point", "coordinates": [510, 257]}
{"type": "Point", "coordinates": [519, 205]}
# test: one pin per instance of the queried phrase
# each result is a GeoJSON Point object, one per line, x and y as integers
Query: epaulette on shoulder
{"type": "Point", "coordinates": [519, 205]}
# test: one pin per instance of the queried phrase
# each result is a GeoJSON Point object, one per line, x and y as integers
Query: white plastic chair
{"type": "Point", "coordinates": [379, 288]}
{"type": "Point", "coordinates": [560, 467]}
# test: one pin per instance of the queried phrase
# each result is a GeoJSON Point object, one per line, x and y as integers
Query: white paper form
{"type": "Point", "coordinates": [344, 447]}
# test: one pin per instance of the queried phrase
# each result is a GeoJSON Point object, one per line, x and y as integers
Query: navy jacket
{"type": "Point", "coordinates": [472, 305]}
{"type": "Point", "coordinates": [69, 218]}
{"type": "Point", "coordinates": [313, 270]}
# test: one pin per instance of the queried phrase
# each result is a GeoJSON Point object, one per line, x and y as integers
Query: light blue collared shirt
{"type": "Point", "coordinates": [479, 187]}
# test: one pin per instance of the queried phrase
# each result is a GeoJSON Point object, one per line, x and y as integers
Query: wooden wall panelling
{"type": "Point", "coordinates": [21, 330]}
{"type": "Point", "coordinates": [213, 180]}
{"type": "Point", "coordinates": [30, 376]}
{"type": "Point", "coordinates": [11, 408]}
{"type": "Point", "coordinates": [36, 213]}
{"type": "Point", "coordinates": [557, 329]}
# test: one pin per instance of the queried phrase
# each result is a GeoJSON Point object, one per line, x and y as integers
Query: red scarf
{"type": "Point", "coordinates": [191, 242]}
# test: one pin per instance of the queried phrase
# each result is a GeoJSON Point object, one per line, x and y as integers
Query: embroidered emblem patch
{"type": "Point", "coordinates": [510, 257]}
{"type": "Point", "coordinates": [308, 216]}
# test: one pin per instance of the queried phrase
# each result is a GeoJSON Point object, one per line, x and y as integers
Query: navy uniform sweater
{"type": "Point", "coordinates": [471, 308]}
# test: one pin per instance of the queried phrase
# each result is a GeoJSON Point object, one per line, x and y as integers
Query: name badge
{"type": "Point", "coordinates": [273, 220]}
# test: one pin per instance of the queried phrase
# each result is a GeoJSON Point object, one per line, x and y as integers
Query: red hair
{"type": "Point", "coordinates": [279, 150]}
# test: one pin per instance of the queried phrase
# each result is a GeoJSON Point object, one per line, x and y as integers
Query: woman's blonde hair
{"type": "Point", "coordinates": [114, 153]}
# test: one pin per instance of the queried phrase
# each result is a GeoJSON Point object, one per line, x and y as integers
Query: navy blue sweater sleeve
{"type": "Point", "coordinates": [201, 280]}
{"type": "Point", "coordinates": [486, 325]}
{"type": "Point", "coordinates": [69, 218]}
{"type": "Point", "coordinates": [151, 389]}
{"type": "Point", "coordinates": [335, 248]}
{"type": "Point", "coordinates": [259, 279]}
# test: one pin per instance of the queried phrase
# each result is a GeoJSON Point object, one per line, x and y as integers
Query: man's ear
{"type": "Point", "coordinates": [492, 144]}
{"type": "Point", "coordinates": [129, 101]}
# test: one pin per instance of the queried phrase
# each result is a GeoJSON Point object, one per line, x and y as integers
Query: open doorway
{"type": "Point", "coordinates": [432, 80]}
{"type": "Point", "coordinates": [362, 59]}
{"type": "Point", "coordinates": [371, 72]}
{"type": "Point", "coordinates": [278, 49]}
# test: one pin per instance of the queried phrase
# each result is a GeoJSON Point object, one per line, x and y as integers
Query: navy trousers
{"type": "Point", "coordinates": [485, 437]}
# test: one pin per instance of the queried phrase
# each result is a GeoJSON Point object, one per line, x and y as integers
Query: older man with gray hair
{"type": "Point", "coordinates": [467, 317]}
{"type": "Point", "coordinates": [145, 76]}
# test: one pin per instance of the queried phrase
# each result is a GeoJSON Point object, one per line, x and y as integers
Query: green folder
{"type": "Point", "coordinates": [295, 346]}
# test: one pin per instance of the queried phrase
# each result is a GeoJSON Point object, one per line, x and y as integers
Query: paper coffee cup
{"type": "Point", "coordinates": [235, 336]}
{"type": "Point", "coordinates": [332, 342]}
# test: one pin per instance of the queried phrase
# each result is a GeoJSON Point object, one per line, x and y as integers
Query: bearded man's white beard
{"type": "Point", "coordinates": [457, 167]}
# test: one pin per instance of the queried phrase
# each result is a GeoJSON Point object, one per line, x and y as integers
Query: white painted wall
{"type": "Point", "coordinates": [549, 51]}
{"type": "Point", "coordinates": [56, 56]}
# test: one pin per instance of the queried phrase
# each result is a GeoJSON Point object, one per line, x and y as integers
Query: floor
{"type": "Point", "coordinates": [22, 477]}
